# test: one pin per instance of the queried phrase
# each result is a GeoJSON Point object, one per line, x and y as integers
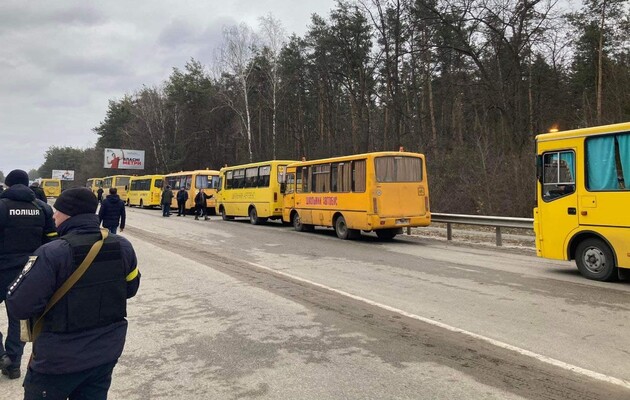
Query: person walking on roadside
{"type": "Point", "coordinates": [39, 192]}
{"type": "Point", "coordinates": [99, 195]}
{"type": "Point", "coordinates": [167, 197]}
{"type": "Point", "coordinates": [182, 197]}
{"type": "Point", "coordinates": [25, 224]}
{"type": "Point", "coordinates": [200, 205]}
{"type": "Point", "coordinates": [79, 339]}
{"type": "Point", "coordinates": [112, 211]}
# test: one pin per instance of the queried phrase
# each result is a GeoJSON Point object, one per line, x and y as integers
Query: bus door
{"type": "Point", "coordinates": [559, 207]}
{"type": "Point", "coordinates": [288, 199]}
{"type": "Point", "coordinates": [302, 190]}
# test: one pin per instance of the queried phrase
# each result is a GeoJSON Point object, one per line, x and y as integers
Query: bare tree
{"type": "Point", "coordinates": [236, 57]}
{"type": "Point", "coordinates": [274, 38]}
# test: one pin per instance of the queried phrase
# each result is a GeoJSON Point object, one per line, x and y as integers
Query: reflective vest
{"type": "Point", "coordinates": [99, 297]}
{"type": "Point", "coordinates": [23, 230]}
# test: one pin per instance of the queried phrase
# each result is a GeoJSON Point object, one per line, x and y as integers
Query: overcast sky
{"type": "Point", "coordinates": [61, 61]}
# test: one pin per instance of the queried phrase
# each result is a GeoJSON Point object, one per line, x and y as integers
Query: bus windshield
{"type": "Point", "coordinates": [207, 182]}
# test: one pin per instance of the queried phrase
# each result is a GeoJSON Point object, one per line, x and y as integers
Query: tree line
{"type": "Point", "coordinates": [469, 83]}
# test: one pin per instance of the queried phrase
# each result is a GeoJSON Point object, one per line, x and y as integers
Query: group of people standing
{"type": "Point", "coordinates": [182, 197]}
{"type": "Point", "coordinates": [66, 281]}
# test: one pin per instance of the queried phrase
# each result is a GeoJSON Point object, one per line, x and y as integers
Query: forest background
{"type": "Point", "coordinates": [469, 83]}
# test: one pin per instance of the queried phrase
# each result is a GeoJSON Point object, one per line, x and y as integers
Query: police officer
{"type": "Point", "coordinates": [83, 334]}
{"type": "Point", "coordinates": [39, 192]}
{"type": "Point", "coordinates": [25, 224]}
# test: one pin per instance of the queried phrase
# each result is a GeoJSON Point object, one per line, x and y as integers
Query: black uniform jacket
{"type": "Point", "coordinates": [63, 353]}
{"type": "Point", "coordinates": [25, 224]}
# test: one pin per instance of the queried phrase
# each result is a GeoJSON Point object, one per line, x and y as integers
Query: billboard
{"type": "Point", "coordinates": [63, 174]}
{"type": "Point", "coordinates": [123, 159]}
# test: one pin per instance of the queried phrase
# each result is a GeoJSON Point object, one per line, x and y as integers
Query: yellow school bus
{"type": "Point", "coordinates": [51, 187]}
{"type": "Point", "coordinates": [120, 182]}
{"type": "Point", "coordinates": [582, 199]}
{"type": "Point", "coordinates": [145, 191]}
{"type": "Point", "coordinates": [381, 192]}
{"type": "Point", "coordinates": [93, 184]}
{"type": "Point", "coordinates": [252, 190]}
{"type": "Point", "coordinates": [192, 181]}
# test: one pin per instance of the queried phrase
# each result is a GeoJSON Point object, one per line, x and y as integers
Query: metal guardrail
{"type": "Point", "coordinates": [483, 220]}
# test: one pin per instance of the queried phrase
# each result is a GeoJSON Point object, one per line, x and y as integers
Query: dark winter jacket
{"type": "Point", "coordinates": [182, 195]}
{"type": "Point", "coordinates": [39, 193]}
{"type": "Point", "coordinates": [112, 210]}
{"type": "Point", "coordinates": [167, 196]}
{"type": "Point", "coordinates": [63, 353]}
{"type": "Point", "coordinates": [201, 197]}
{"type": "Point", "coordinates": [20, 193]}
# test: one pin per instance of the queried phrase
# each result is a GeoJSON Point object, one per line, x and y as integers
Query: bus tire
{"type": "Point", "coordinates": [224, 216]}
{"type": "Point", "coordinates": [254, 219]}
{"type": "Point", "coordinates": [342, 230]}
{"type": "Point", "coordinates": [386, 234]}
{"type": "Point", "coordinates": [595, 260]}
{"type": "Point", "coordinates": [298, 225]}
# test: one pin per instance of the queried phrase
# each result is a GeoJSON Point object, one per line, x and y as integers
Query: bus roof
{"type": "Point", "coordinates": [257, 164]}
{"type": "Point", "coordinates": [582, 132]}
{"type": "Point", "coordinates": [195, 172]}
{"type": "Point", "coordinates": [358, 156]}
{"type": "Point", "coordinates": [135, 177]}
{"type": "Point", "coordinates": [117, 176]}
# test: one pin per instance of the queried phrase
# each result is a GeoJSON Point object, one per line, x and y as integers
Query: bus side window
{"type": "Point", "coordinates": [558, 174]}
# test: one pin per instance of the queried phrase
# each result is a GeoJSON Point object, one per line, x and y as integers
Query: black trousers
{"type": "Point", "coordinates": [13, 346]}
{"type": "Point", "coordinates": [91, 384]}
{"type": "Point", "coordinates": [181, 207]}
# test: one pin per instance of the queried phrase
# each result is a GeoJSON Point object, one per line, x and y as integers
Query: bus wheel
{"type": "Point", "coordinates": [595, 260]}
{"type": "Point", "coordinates": [386, 234]}
{"type": "Point", "coordinates": [224, 216]}
{"type": "Point", "coordinates": [298, 225]}
{"type": "Point", "coordinates": [342, 230]}
{"type": "Point", "coordinates": [253, 216]}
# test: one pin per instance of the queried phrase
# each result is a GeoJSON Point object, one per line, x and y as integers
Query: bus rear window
{"type": "Point", "coordinates": [398, 169]}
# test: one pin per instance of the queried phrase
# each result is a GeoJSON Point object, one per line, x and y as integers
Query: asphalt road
{"type": "Point", "coordinates": [227, 310]}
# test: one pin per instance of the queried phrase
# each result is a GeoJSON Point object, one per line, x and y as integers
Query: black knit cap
{"type": "Point", "coordinates": [76, 201]}
{"type": "Point", "coordinates": [15, 177]}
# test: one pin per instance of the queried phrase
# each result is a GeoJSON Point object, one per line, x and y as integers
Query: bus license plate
{"type": "Point", "coordinates": [402, 221]}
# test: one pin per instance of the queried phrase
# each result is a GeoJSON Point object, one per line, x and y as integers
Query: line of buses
{"type": "Point", "coordinates": [581, 212]}
{"type": "Point", "coordinates": [146, 191]}
{"type": "Point", "coordinates": [381, 192]}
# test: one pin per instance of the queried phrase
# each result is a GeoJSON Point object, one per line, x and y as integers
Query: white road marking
{"type": "Point", "coordinates": [539, 357]}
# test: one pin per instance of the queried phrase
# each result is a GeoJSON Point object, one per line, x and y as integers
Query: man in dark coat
{"type": "Point", "coordinates": [167, 197]}
{"type": "Point", "coordinates": [99, 194]}
{"type": "Point", "coordinates": [182, 197]}
{"type": "Point", "coordinates": [25, 224]}
{"type": "Point", "coordinates": [112, 211]}
{"type": "Point", "coordinates": [201, 204]}
{"type": "Point", "coordinates": [83, 334]}
{"type": "Point", "coordinates": [39, 192]}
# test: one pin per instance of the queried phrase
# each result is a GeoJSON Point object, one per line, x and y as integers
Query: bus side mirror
{"type": "Point", "coordinates": [283, 187]}
{"type": "Point", "coordinates": [539, 168]}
